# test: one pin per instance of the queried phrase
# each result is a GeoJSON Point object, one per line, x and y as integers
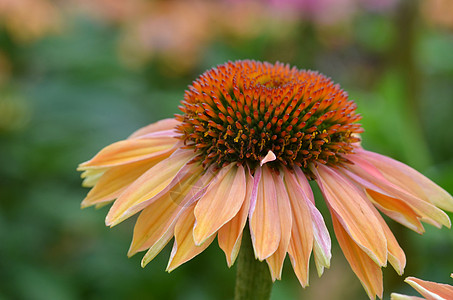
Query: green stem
{"type": "Point", "coordinates": [253, 279]}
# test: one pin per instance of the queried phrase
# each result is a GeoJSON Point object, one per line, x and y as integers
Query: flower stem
{"type": "Point", "coordinates": [253, 280]}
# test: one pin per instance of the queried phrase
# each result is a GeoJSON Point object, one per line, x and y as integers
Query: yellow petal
{"type": "Point", "coordinates": [301, 243]}
{"type": "Point", "coordinates": [162, 125]}
{"type": "Point", "coordinates": [350, 206]}
{"type": "Point", "coordinates": [431, 290]}
{"type": "Point", "coordinates": [275, 261]}
{"type": "Point", "coordinates": [230, 235]}
{"type": "Point", "coordinates": [91, 177]}
{"type": "Point", "coordinates": [410, 180]}
{"type": "Point", "coordinates": [128, 151]}
{"type": "Point", "coordinates": [115, 180]}
{"type": "Point", "coordinates": [264, 215]}
{"type": "Point", "coordinates": [147, 186]}
{"type": "Point", "coordinates": [221, 203]}
{"type": "Point", "coordinates": [184, 248]}
{"type": "Point", "coordinates": [369, 274]}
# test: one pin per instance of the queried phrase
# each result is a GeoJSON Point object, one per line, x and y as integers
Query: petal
{"type": "Point", "coordinates": [162, 125]}
{"type": "Point", "coordinates": [115, 180]}
{"type": "Point", "coordinates": [427, 211]}
{"type": "Point", "coordinates": [431, 290]}
{"type": "Point", "coordinates": [221, 203]}
{"type": "Point", "coordinates": [369, 274]}
{"type": "Point", "coordinates": [396, 296]}
{"type": "Point", "coordinates": [322, 243]}
{"type": "Point", "coordinates": [264, 220]}
{"type": "Point", "coordinates": [230, 235]}
{"type": "Point", "coordinates": [270, 156]}
{"type": "Point", "coordinates": [184, 248]}
{"type": "Point", "coordinates": [350, 206]}
{"type": "Point", "coordinates": [393, 207]}
{"type": "Point", "coordinates": [92, 176]}
{"type": "Point", "coordinates": [275, 261]}
{"type": "Point", "coordinates": [128, 151]}
{"type": "Point", "coordinates": [410, 180]}
{"type": "Point", "coordinates": [150, 184]}
{"type": "Point", "coordinates": [301, 243]}
{"type": "Point", "coordinates": [156, 222]}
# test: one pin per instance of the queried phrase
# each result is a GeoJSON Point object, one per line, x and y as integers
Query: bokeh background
{"type": "Point", "coordinates": [76, 75]}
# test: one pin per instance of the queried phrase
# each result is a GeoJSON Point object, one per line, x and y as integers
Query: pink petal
{"type": "Point", "coordinates": [184, 248]}
{"type": "Point", "coordinates": [369, 274]}
{"type": "Point", "coordinates": [350, 206]}
{"type": "Point", "coordinates": [301, 243]}
{"type": "Point", "coordinates": [409, 179]}
{"type": "Point", "coordinates": [230, 235]}
{"type": "Point", "coordinates": [264, 220]}
{"type": "Point", "coordinates": [146, 187]}
{"type": "Point", "coordinates": [162, 125]}
{"type": "Point", "coordinates": [275, 261]}
{"type": "Point", "coordinates": [431, 290]}
{"type": "Point", "coordinates": [221, 202]}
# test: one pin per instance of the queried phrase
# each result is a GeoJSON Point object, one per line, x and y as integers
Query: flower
{"type": "Point", "coordinates": [250, 138]}
{"type": "Point", "coordinates": [428, 289]}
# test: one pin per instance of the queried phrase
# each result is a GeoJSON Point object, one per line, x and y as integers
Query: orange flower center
{"type": "Point", "coordinates": [239, 111]}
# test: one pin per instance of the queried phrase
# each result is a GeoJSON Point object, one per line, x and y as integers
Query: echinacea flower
{"type": "Point", "coordinates": [250, 138]}
{"type": "Point", "coordinates": [428, 289]}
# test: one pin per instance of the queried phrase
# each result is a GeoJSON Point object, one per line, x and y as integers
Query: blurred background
{"type": "Point", "coordinates": [76, 75]}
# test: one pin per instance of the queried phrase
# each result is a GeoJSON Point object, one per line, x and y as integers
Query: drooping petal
{"type": "Point", "coordinates": [431, 290]}
{"type": "Point", "coordinates": [264, 220]}
{"type": "Point", "coordinates": [184, 248]}
{"type": "Point", "coordinates": [221, 203]}
{"type": "Point", "coordinates": [322, 243]}
{"type": "Point", "coordinates": [368, 272]}
{"type": "Point", "coordinates": [350, 206]}
{"type": "Point", "coordinates": [230, 235]}
{"type": "Point", "coordinates": [426, 210]}
{"type": "Point", "coordinates": [155, 224]}
{"type": "Point", "coordinates": [393, 207]}
{"type": "Point", "coordinates": [129, 151]}
{"type": "Point", "coordinates": [115, 180]}
{"type": "Point", "coordinates": [150, 184]}
{"type": "Point", "coordinates": [409, 179]}
{"type": "Point", "coordinates": [275, 261]}
{"type": "Point", "coordinates": [301, 243]}
{"type": "Point", "coordinates": [162, 125]}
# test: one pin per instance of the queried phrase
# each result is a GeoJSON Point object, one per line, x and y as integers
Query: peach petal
{"type": "Point", "coordinates": [156, 222]}
{"type": "Point", "coordinates": [410, 180]}
{"type": "Point", "coordinates": [301, 243]}
{"type": "Point", "coordinates": [157, 247]}
{"type": "Point", "coordinates": [150, 184]}
{"type": "Point", "coordinates": [184, 248]}
{"type": "Point", "coordinates": [221, 203]}
{"type": "Point", "coordinates": [351, 206]}
{"type": "Point", "coordinates": [304, 184]}
{"type": "Point", "coordinates": [128, 151]}
{"type": "Point", "coordinates": [431, 290]}
{"type": "Point", "coordinates": [264, 221]}
{"type": "Point", "coordinates": [230, 235]}
{"type": "Point", "coordinates": [115, 180]}
{"type": "Point", "coordinates": [275, 261]}
{"type": "Point", "coordinates": [368, 172]}
{"type": "Point", "coordinates": [270, 156]}
{"type": "Point", "coordinates": [369, 274]}
{"type": "Point", "coordinates": [322, 243]}
{"type": "Point", "coordinates": [162, 125]}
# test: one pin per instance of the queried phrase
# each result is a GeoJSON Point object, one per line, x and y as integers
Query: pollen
{"type": "Point", "coordinates": [239, 111]}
